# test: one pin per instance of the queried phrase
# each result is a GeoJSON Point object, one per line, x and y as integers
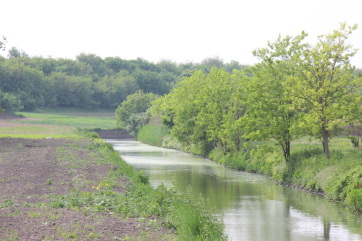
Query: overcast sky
{"type": "Point", "coordinates": [178, 30]}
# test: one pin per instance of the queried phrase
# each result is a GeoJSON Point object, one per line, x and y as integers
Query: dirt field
{"type": "Point", "coordinates": [34, 171]}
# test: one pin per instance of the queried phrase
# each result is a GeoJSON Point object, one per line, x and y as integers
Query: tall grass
{"type": "Point", "coordinates": [152, 134]}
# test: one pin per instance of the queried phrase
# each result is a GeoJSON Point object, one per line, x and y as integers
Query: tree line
{"type": "Point", "coordinates": [89, 81]}
{"type": "Point", "coordinates": [296, 89]}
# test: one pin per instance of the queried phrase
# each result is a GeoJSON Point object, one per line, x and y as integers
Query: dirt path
{"type": "Point", "coordinates": [34, 172]}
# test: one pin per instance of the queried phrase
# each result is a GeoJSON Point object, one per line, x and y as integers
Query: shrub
{"type": "Point", "coordinates": [354, 199]}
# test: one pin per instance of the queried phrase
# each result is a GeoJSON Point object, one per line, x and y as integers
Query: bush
{"type": "Point", "coordinates": [152, 134]}
{"type": "Point", "coordinates": [354, 198]}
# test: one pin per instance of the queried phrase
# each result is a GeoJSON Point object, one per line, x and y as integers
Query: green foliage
{"type": "Point", "coordinates": [271, 113]}
{"type": "Point", "coordinates": [324, 85]}
{"type": "Point", "coordinates": [2, 44]}
{"type": "Point", "coordinates": [193, 222]}
{"type": "Point", "coordinates": [202, 110]}
{"type": "Point", "coordinates": [354, 199]}
{"type": "Point", "coordinates": [152, 134]}
{"type": "Point", "coordinates": [354, 140]}
{"type": "Point", "coordinates": [10, 102]}
{"type": "Point", "coordinates": [16, 53]}
{"type": "Point", "coordinates": [87, 82]}
{"type": "Point", "coordinates": [133, 112]}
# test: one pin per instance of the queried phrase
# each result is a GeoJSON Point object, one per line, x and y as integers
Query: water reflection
{"type": "Point", "coordinates": [253, 208]}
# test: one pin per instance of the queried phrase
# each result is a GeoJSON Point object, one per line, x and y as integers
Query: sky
{"type": "Point", "coordinates": [176, 30]}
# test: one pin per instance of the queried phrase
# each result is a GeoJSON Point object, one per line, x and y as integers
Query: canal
{"type": "Point", "coordinates": [252, 207]}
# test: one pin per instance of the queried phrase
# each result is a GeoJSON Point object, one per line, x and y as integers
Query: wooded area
{"type": "Point", "coordinates": [88, 82]}
{"type": "Point", "coordinates": [296, 90]}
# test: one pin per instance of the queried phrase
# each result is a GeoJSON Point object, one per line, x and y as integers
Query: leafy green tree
{"type": "Point", "coordinates": [17, 53]}
{"type": "Point", "coordinates": [24, 82]}
{"type": "Point", "coordinates": [97, 64]}
{"type": "Point", "coordinates": [271, 113]}
{"type": "Point", "coordinates": [112, 90]}
{"type": "Point", "coordinates": [212, 62]}
{"type": "Point", "coordinates": [325, 87]}
{"type": "Point", "coordinates": [233, 65]}
{"type": "Point", "coordinates": [169, 66]}
{"type": "Point", "coordinates": [151, 82]}
{"type": "Point", "coordinates": [143, 64]}
{"type": "Point", "coordinates": [72, 91]}
{"type": "Point", "coordinates": [73, 67]}
{"type": "Point", "coordinates": [202, 110]}
{"type": "Point", "coordinates": [117, 64]}
{"type": "Point", "coordinates": [2, 44]}
{"type": "Point", "coordinates": [9, 102]}
{"type": "Point", "coordinates": [133, 112]}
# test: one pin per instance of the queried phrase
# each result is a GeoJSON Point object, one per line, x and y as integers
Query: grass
{"type": "Point", "coordinates": [187, 216]}
{"type": "Point", "coordinates": [60, 123]}
{"type": "Point", "coordinates": [37, 131]}
{"type": "Point", "coordinates": [83, 121]}
{"type": "Point", "coordinates": [152, 134]}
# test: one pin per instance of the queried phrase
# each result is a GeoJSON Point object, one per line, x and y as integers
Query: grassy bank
{"type": "Point", "coordinates": [182, 213]}
{"type": "Point", "coordinates": [122, 194]}
{"type": "Point", "coordinates": [339, 178]}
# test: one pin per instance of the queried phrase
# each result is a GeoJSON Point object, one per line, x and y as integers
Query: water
{"type": "Point", "coordinates": [253, 208]}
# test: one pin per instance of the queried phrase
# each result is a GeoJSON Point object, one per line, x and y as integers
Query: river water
{"type": "Point", "coordinates": [252, 207]}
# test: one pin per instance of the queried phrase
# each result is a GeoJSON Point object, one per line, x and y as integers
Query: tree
{"type": "Point", "coordinates": [23, 82]}
{"type": "Point", "coordinates": [72, 91]}
{"type": "Point", "coordinates": [151, 82]}
{"type": "Point", "coordinates": [133, 112]}
{"type": "Point", "coordinates": [271, 113]}
{"type": "Point", "coordinates": [211, 62]}
{"type": "Point", "coordinates": [95, 62]}
{"type": "Point", "coordinates": [112, 90]}
{"type": "Point", "coordinates": [202, 110]}
{"type": "Point", "coordinates": [117, 64]}
{"type": "Point", "coordinates": [169, 66]}
{"type": "Point", "coordinates": [2, 44]}
{"type": "Point", "coordinates": [325, 87]}
{"type": "Point", "coordinates": [17, 53]}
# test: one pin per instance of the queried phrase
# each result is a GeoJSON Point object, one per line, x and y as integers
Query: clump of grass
{"type": "Point", "coordinates": [7, 203]}
{"type": "Point", "coordinates": [152, 134]}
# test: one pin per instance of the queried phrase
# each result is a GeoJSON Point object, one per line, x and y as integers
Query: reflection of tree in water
{"type": "Point", "coordinates": [326, 229]}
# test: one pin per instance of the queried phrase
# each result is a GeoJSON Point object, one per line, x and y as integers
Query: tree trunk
{"type": "Point", "coordinates": [325, 142]}
{"type": "Point", "coordinates": [286, 150]}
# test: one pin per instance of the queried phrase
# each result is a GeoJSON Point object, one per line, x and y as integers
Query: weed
{"type": "Point", "coordinates": [7, 203]}
{"type": "Point", "coordinates": [93, 235]}
{"type": "Point", "coordinates": [34, 214]}
{"type": "Point", "coordinates": [12, 236]}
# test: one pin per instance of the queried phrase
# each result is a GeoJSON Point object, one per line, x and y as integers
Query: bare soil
{"type": "Point", "coordinates": [34, 170]}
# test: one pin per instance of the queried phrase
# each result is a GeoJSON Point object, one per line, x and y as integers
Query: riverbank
{"type": "Point", "coordinates": [338, 178]}
{"type": "Point", "coordinates": [78, 188]}
{"type": "Point", "coordinates": [57, 189]}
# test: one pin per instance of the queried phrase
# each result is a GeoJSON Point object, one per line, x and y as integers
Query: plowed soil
{"type": "Point", "coordinates": [32, 171]}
